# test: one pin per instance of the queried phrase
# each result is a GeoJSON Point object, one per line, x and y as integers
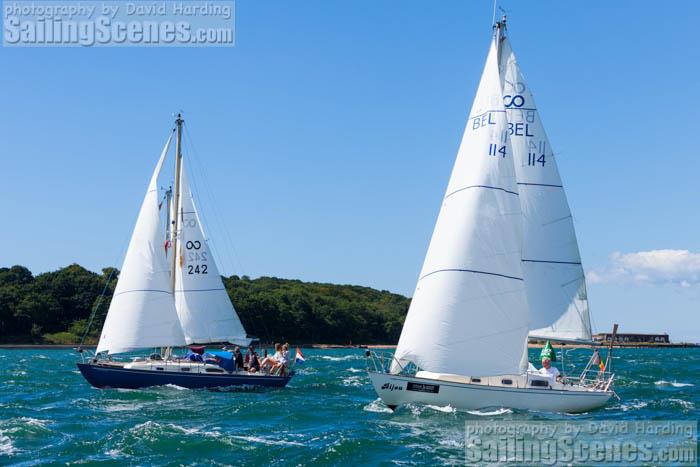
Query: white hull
{"type": "Point", "coordinates": [395, 390]}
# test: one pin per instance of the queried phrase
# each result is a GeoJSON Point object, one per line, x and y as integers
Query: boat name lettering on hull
{"type": "Point", "coordinates": [392, 387]}
{"type": "Point", "coordinates": [422, 387]}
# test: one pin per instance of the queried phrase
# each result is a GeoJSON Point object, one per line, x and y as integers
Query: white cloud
{"type": "Point", "coordinates": [680, 267]}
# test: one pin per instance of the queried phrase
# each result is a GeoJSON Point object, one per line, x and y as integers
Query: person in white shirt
{"type": "Point", "coordinates": [282, 362]}
{"type": "Point", "coordinates": [548, 370]}
{"type": "Point", "coordinates": [271, 362]}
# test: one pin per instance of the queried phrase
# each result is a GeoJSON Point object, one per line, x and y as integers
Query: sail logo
{"type": "Point", "coordinates": [392, 387]}
{"type": "Point", "coordinates": [515, 101]}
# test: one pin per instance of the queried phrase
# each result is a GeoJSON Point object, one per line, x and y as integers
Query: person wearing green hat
{"type": "Point", "coordinates": [548, 370]}
{"type": "Point", "coordinates": [547, 355]}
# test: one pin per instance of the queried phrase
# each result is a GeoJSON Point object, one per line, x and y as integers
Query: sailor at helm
{"type": "Point", "coordinates": [548, 370]}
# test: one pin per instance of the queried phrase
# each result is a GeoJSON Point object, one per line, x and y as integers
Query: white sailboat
{"type": "Point", "coordinates": [169, 294]}
{"type": "Point", "coordinates": [503, 265]}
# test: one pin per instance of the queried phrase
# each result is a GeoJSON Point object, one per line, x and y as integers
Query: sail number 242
{"type": "Point", "coordinates": [195, 257]}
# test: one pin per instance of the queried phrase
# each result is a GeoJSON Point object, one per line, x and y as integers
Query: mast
{"type": "Point", "coordinates": [176, 199]}
{"type": "Point", "coordinates": [499, 33]}
{"type": "Point", "coordinates": [168, 211]}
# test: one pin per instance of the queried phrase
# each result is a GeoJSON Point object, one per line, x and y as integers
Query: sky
{"type": "Point", "coordinates": [322, 142]}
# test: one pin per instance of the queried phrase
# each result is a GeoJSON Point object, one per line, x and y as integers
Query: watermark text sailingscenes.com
{"type": "Point", "coordinates": [582, 442]}
{"type": "Point", "coordinates": [171, 23]}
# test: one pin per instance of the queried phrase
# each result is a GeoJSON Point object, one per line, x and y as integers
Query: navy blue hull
{"type": "Point", "coordinates": [106, 376]}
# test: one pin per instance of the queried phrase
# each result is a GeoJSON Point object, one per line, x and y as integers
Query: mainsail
{"type": "Point", "coordinates": [142, 312]}
{"type": "Point", "coordinates": [554, 278]}
{"type": "Point", "coordinates": [203, 305]}
{"type": "Point", "coordinates": [469, 312]}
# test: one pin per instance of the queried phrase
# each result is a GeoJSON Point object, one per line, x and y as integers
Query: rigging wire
{"type": "Point", "coordinates": [233, 260]}
{"type": "Point", "coordinates": [218, 217]}
{"type": "Point", "coordinates": [95, 308]}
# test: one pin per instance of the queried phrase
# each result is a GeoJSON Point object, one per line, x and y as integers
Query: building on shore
{"type": "Point", "coordinates": [633, 338]}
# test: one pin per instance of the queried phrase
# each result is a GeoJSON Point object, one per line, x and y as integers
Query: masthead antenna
{"type": "Point", "coordinates": [499, 27]}
{"type": "Point", "coordinates": [493, 20]}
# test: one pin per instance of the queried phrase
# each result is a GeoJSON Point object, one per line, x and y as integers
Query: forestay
{"type": "Point", "coordinates": [142, 312]}
{"type": "Point", "coordinates": [203, 305]}
{"type": "Point", "coordinates": [469, 312]}
{"type": "Point", "coordinates": [554, 278]}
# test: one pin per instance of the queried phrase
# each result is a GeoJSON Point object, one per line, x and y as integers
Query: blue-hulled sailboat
{"type": "Point", "coordinates": [169, 295]}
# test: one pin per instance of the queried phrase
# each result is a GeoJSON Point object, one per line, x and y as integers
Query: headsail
{"type": "Point", "coordinates": [142, 312]}
{"type": "Point", "coordinates": [203, 305]}
{"type": "Point", "coordinates": [469, 312]}
{"type": "Point", "coordinates": [554, 278]}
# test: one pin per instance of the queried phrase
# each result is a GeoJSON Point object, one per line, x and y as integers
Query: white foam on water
{"type": "Point", "coordinates": [150, 426]}
{"type": "Point", "coordinates": [187, 431]}
{"type": "Point", "coordinates": [355, 370]}
{"type": "Point", "coordinates": [675, 384]}
{"type": "Point", "coordinates": [633, 405]}
{"type": "Point", "coordinates": [445, 409]}
{"type": "Point", "coordinates": [34, 422]}
{"type": "Point", "coordinates": [354, 381]}
{"type": "Point", "coordinates": [269, 442]}
{"type": "Point", "coordinates": [415, 409]}
{"type": "Point", "coordinates": [687, 405]}
{"type": "Point", "coordinates": [339, 359]}
{"type": "Point", "coordinates": [377, 406]}
{"type": "Point", "coordinates": [144, 426]}
{"type": "Point", "coordinates": [122, 407]}
{"type": "Point", "coordinates": [452, 443]}
{"type": "Point", "coordinates": [115, 454]}
{"type": "Point", "coordinates": [6, 446]}
{"type": "Point", "coordinates": [175, 386]}
{"type": "Point", "coordinates": [490, 413]}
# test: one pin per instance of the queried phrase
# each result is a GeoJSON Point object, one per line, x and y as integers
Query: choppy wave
{"type": "Point", "coordinates": [675, 384]}
{"type": "Point", "coordinates": [686, 405]}
{"type": "Point", "coordinates": [340, 359]}
{"type": "Point", "coordinates": [633, 405]}
{"type": "Point", "coordinates": [6, 446]}
{"type": "Point", "coordinates": [329, 414]}
{"type": "Point", "coordinates": [489, 413]}
{"type": "Point", "coordinates": [377, 406]}
{"type": "Point", "coordinates": [175, 386]}
{"type": "Point", "coordinates": [353, 381]}
{"type": "Point", "coordinates": [115, 454]}
{"type": "Point", "coordinates": [444, 409]}
{"type": "Point", "coordinates": [268, 441]}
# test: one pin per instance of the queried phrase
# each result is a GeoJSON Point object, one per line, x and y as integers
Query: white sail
{"type": "Point", "coordinates": [142, 312]}
{"type": "Point", "coordinates": [469, 312]}
{"type": "Point", "coordinates": [203, 305]}
{"type": "Point", "coordinates": [554, 278]}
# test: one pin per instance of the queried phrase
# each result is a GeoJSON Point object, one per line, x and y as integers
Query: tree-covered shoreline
{"type": "Point", "coordinates": [54, 308]}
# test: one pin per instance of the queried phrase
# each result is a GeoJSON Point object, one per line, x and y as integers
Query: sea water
{"type": "Point", "coordinates": [328, 414]}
